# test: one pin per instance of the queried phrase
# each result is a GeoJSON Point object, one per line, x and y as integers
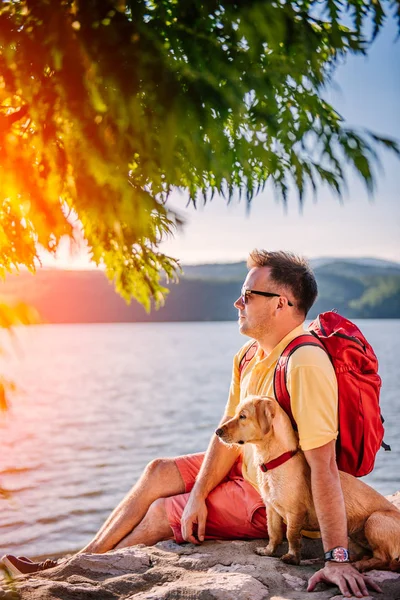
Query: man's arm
{"type": "Point", "coordinates": [327, 495]}
{"type": "Point", "coordinates": [217, 463]}
{"type": "Point", "coordinates": [331, 513]}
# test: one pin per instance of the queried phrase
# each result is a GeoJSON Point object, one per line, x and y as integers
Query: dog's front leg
{"type": "Point", "coordinates": [274, 524]}
{"type": "Point", "coordinates": [293, 534]}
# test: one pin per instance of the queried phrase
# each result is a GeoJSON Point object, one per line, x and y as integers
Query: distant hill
{"type": "Point", "coordinates": [216, 271]}
{"type": "Point", "coordinates": [237, 271]}
{"type": "Point", "coordinates": [365, 261]}
{"type": "Point", "coordinates": [358, 288]}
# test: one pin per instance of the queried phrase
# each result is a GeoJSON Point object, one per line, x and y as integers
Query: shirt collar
{"type": "Point", "coordinates": [279, 348]}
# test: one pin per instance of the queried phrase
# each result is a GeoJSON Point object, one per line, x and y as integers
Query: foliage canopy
{"type": "Point", "coordinates": [107, 105]}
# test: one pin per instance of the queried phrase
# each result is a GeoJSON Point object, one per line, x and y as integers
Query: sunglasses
{"type": "Point", "coordinates": [245, 294]}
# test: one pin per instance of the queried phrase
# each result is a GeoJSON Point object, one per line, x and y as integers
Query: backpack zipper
{"type": "Point", "coordinates": [342, 335]}
{"type": "Point", "coordinates": [351, 338]}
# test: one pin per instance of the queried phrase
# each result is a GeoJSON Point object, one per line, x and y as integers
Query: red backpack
{"type": "Point", "coordinates": [356, 367]}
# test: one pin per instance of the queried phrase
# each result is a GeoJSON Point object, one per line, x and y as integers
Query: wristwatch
{"type": "Point", "coordinates": [338, 554]}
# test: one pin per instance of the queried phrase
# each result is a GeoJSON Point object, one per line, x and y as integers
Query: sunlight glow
{"type": "Point", "coordinates": [70, 255]}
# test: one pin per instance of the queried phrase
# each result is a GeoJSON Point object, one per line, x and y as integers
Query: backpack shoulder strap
{"type": "Point", "coordinates": [280, 375]}
{"type": "Point", "coordinates": [247, 357]}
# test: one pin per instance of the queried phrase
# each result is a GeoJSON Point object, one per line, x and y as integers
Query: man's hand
{"type": "Point", "coordinates": [349, 581]}
{"type": "Point", "coordinates": [194, 516]}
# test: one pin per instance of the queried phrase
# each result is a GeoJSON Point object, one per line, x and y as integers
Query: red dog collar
{"type": "Point", "coordinates": [272, 464]}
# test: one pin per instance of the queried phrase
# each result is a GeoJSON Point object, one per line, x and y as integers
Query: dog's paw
{"type": "Point", "coordinates": [290, 559]}
{"type": "Point", "coordinates": [265, 551]}
{"type": "Point", "coordinates": [357, 565]}
{"type": "Point", "coordinates": [361, 565]}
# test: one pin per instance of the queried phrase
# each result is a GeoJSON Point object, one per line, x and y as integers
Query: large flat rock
{"type": "Point", "coordinates": [167, 571]}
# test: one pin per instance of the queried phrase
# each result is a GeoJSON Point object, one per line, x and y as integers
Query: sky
{"type": "Point", "coordinates": [366, 92]}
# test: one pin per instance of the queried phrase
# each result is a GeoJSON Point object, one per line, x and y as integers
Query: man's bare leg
{"type": "Point", "coordinates": [160, 479]}
{"type": "Point", "coordinates": [153, 528]}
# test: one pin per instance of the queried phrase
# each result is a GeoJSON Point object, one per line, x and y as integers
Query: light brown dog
{"type": "Point", "coordinates": [373, 522]}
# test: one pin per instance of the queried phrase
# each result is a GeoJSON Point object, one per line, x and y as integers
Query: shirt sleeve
{"type": "Point", "coordinates": [312, 386]}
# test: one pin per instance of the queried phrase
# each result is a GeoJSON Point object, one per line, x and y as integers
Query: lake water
{"type": "Point", "coordinates": [95, 403]}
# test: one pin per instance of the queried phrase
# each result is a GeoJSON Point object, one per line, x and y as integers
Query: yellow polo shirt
{"type": "Point", "coordinates": [311, 383]}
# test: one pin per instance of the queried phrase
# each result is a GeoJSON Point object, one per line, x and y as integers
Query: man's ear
{"type": "Point", "coordinates": [264, 413]}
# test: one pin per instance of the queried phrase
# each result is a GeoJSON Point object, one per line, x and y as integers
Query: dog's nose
{"type": "Point", "coordinates": [219, 432]}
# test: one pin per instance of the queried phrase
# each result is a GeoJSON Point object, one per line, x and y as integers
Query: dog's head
{"type": "Point", "coordinates": [252, 421]}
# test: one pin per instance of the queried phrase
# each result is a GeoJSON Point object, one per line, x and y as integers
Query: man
{"type": "Point", "coordinates": [215, 496]}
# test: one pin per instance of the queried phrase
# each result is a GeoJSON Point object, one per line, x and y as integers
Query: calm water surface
{"type": "Point", "coordinates": [95, 403]}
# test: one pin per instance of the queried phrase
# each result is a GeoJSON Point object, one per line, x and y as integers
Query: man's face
{"type": "Point", "coordinates": [257, 316]}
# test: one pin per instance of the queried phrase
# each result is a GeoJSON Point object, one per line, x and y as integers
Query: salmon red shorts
{"type": "Point", "coordinates": [235, 508]}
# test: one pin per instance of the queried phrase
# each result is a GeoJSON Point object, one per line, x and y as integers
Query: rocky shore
{"type": "Point", "coordinates": [167, 571]}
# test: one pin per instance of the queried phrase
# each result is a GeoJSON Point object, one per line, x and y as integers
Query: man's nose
{"type": "Point", "coordinates": [239, 303]}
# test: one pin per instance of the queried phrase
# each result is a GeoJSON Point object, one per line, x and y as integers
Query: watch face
{"type": "Point", "coordinates": [340, 554]}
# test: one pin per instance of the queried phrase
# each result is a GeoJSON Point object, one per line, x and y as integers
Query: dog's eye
{"type": "Point", "coordinates": [242, 417]}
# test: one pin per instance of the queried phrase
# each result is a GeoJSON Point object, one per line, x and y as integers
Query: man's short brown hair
{"type": "Point", "coordinates": [291, 271]}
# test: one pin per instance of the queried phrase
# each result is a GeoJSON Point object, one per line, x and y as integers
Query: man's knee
{"type": "Point", "coordinates": [161, 468]}
{"type": "Point", "coordinates": [156, 522]}
{"type": "Point", "coordinates": [153, 528]}
{"type": "Point", "coordinates": [157, 512]}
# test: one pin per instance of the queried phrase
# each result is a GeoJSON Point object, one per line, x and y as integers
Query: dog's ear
{"type": "Point", "coordinates": [264, 412]}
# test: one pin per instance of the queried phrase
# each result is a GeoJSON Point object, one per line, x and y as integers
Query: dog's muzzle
{"type": "Point", "coordinates": [220, 432]}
